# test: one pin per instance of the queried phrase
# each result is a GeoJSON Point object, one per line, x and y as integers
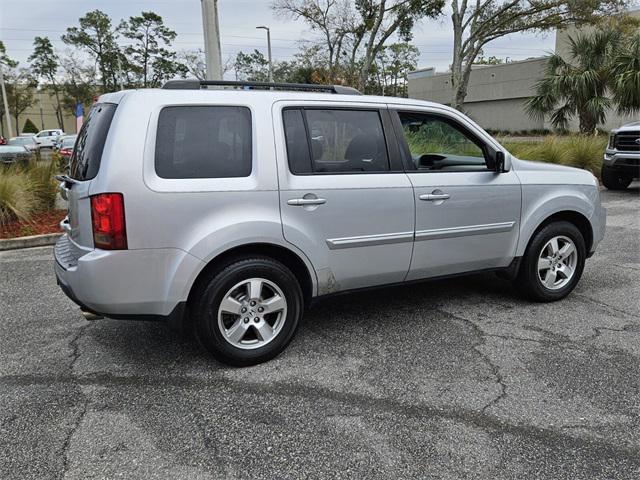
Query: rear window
{"type": "Point", "coordinates": [203, 142]}
{"type": "Point", "coordinates": [87, 154]}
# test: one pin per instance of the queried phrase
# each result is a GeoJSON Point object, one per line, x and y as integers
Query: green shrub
{"type": "Point", "coordinates": [25, 190]}
{"type": "Point", "coordinates": [17, 201]}
{"type": "Point", "coordinates": [43, 185]}
{"type": "Point", "coordinates": [586, 152]}
{"type": "Point", "coordinates": [579, 151]}
{"type": "Point", "coordinates": [29, 127]}
{"type": "Point", "coordinates": [61, 164]}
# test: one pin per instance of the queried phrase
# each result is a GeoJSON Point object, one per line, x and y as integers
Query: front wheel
{"type": "Point", "coordinates": [615, 180]}
{"type": "Point", "coordinates": [553, 262]}
{"type": "Point", "coordinates": [249, 311]}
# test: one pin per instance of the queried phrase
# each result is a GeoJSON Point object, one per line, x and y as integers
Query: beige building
{"type": "Point", "coordinates": [42, 114]}
{"type": "Point", "coordinates": [497, 93]}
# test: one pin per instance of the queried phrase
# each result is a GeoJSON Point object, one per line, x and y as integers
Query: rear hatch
{"type": "Point", "coordinates": [84, 166]}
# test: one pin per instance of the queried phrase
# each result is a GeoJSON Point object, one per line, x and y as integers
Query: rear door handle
{"type": "Point", "coordinates": [301, 202]}
{"type": "Point", "coordinates": [433, 197]}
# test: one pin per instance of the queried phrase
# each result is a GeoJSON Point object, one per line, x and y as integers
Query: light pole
{"type": "Point", "coordinates": [211, 39]}
{"type": "Point", "coordinates": [5, 102]}
{"type": "Point", "coordinates": [262, 27]}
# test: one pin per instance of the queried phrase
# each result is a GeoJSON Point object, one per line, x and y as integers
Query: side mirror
{"type": "Point", "coordinates": [498, 163]}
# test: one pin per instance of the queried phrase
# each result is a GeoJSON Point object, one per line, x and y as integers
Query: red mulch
{"type": "Point", "coordinates": [47, 222]}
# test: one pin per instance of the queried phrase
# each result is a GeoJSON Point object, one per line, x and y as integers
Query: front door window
{"type": "Point", "coordinates": [439, 144]}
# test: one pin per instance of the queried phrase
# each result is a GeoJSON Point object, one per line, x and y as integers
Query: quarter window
{"type": "Point", "coordinates": [87, 154]}
{"type": "Point", "coordinates": [203, 142]}
{"type": "Point", "coordinates": [335, 141]}
{"type": "Point", "coordinates": [439, 144]}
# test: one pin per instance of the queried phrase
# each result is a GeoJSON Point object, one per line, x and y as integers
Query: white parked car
{"type": "Point", "coordinates": [47, 138]}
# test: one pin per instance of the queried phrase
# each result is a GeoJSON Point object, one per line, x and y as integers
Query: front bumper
{"type": "Point", "coordinates": [144, 284]}
{"type": "Point", "coordinates": [627, 162]}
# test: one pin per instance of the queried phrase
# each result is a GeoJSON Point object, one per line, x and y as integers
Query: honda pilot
{"type": "Point", "coordinates": [227, 207]}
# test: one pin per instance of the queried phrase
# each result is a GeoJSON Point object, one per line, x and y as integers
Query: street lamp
{"type": "Point", "coordinates": [262, 27]}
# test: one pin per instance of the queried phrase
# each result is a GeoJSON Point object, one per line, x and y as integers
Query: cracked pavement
{"type": "Point", "coordinates": [448, 379]}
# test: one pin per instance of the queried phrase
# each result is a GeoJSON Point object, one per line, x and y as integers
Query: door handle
{"type": "Point", "coordinates": [301, 202]}
{"type": "Point", "coordinates": [434, 197]}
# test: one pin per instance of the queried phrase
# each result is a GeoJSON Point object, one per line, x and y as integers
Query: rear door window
{"type": "Point", "coordinates": [335, 141]}
{"type": "Point", "coordinates": [203, 142]}
{"type": "Point", "coordinates": [87, 154]}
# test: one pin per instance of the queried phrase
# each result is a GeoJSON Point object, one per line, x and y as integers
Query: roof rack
{"type": "Point", "coordinates": [195, 84]}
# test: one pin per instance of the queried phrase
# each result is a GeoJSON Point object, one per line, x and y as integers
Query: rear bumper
{"type": "Point", "coordinates": [139, 284]}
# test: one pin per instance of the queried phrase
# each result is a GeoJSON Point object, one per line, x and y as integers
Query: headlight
{"type": "Point", "coordinates": [612, 141]}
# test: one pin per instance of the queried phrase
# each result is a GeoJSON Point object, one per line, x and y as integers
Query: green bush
{"type": "Point", "coordinates": [43, 186]}
{"type": "Point", "coordinates": [586, 152]}
{"type": "Point", "coordinates": [29, 127]}
{"type": "Point", "coordinates": [17, 201]}
{"type": "Point", "coordinates": [26, 190]}
{"type": "Point", "coordinates": [579, 151]}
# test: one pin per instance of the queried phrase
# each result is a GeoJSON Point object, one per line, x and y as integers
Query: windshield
{"type": "Point", "coordinates": [68, 142]}
{"type": "Point", "coordinates": [87, 154]}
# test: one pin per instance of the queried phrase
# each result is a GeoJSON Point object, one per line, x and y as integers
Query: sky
{"type": "Point", "coordinates": [22, 20]}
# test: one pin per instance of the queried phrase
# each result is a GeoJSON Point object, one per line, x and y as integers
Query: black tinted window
{"type": "Point", "coordinates": [346, 141]}
{"type": "Point", "coordinates": [85, 161]}
{"type": "Point", "coordinates": [297, 144]}
{"type": "Point", "coordinates": [203, 142]}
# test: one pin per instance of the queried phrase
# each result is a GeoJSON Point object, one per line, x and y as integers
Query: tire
{"type": "Point", "coordinates": [614, 180]}
{"type": "Point", "coordinates": [235, 338]}
{"type": "Point", "coordinates": [542, 276]}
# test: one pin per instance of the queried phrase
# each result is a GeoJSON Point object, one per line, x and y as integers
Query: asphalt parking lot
{"type": "Point", "coordinates": [450, 379]}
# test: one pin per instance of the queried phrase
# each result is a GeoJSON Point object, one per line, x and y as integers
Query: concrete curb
{"type": "Point", "coordinates": [29, 242]}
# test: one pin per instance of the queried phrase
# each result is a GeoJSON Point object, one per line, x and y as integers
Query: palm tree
{"type": "Point", "coordinates": [625, 73]}
{"type": "Point", "coordinates": [580, 86]}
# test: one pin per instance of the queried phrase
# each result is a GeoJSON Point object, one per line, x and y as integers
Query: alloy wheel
{"type": "Point", "coordinates": [557, 262]}
{"type": "Point", "coordinates": [252, 313]}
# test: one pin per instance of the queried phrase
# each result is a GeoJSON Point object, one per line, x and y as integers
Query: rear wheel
{"type": "Point", "coordinates": [553, 262]}
{"type": "Point", "coordinates": [614, 179]}
{"type": "Point", "coordinates": [249, 311]}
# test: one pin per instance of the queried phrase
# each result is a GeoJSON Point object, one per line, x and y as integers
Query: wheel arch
{"type": "Point", "coordinates": [574, 217]}
{"type": "Point", "coordinates": [302, 270]}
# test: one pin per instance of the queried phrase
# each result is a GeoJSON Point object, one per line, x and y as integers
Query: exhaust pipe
{"type": "Point", "coordinates": [90, 316]}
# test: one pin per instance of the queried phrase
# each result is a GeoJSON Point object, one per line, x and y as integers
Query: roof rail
{"type": "Point", "coordinates": [195, 84]}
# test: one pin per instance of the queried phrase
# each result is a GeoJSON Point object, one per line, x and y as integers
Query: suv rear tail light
{"type": "Point", "coordinates": [107, 218]}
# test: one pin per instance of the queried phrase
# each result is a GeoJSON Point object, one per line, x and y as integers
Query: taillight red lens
{"type": "Point", "coordinates": [107, 217]}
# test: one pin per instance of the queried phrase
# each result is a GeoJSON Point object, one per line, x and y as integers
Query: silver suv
{"type": "Point", "coordinates": [621, 162]}
{"type": "Point", "coordinates": [229, 210]}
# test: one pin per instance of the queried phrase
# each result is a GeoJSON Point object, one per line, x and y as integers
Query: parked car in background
{"type": "Point", "coordinates": [47, 138]}
{"type": "Point", "coordinates": [228, 211]}
{"type": "Point", "coordinates": [29, 142]}
{"type": "Point", "coordinates": [11, 154]}
{"type": "Point", "coordinates": [621, 162]}
{"type": "Point", "coordinates": [58, 142]}
{"type": "Point", "coordinates": [65, 147]}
